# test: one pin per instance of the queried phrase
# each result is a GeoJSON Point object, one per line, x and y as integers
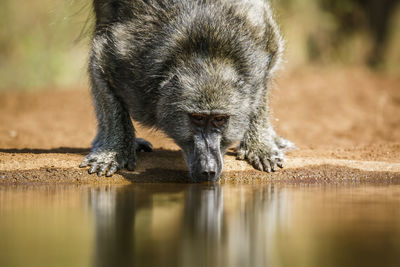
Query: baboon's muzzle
{"type": "Point", "coordinates": [205, 163]}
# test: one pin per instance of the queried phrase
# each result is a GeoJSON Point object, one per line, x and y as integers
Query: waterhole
{"type": "Point", "coordinates": [347, 224]}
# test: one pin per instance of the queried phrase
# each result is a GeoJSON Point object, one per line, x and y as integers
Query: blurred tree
{"type": "Point", "coordinates": [37, 47]}
{"type": "Point", "coordinates": [373, 16]}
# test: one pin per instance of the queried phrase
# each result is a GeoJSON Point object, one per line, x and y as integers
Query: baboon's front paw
{"type": "Point", "coordinates": [265, 157]}
{"type": "Point", "coordinates": [108, 162]}
{"type": "Point", "coordinates": [262, 159]}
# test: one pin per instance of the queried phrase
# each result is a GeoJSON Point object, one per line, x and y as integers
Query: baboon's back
{"type": "Point", "coordinates": [147, 39]}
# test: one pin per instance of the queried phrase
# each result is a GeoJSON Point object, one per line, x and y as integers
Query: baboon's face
{"type": "Point", "coordinates": [203, 140]}
{"type": "Point", "coordinates": [204, 117]}
{"type": "Point", "coordinates": [204, 155]}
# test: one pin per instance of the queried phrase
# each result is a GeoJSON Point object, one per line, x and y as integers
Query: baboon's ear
{"type": "Point", "coordinates": [171, 81]}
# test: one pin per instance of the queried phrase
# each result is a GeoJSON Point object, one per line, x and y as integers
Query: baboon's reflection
{"type": "Point", "coordinates": [181, 225]}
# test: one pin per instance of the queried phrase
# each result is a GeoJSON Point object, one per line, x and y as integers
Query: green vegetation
{"type": "Point", "coordinates": [39, 47]}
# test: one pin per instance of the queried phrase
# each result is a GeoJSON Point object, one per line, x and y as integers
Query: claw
{"type": "Point", "coordinates": [112, 170]}
{"type": "Point", "coordinates": [83, 165]}
{"type": "Point", "coordinates": [273, 166]}
{"type": "Point", "coordinates": [93, 168]}
{"type": "Point", "coordinates": [267, 165]}
{"type": "Point", "coordinates": [240, 154]}
{"type": "Point", "coordinates": [257, 164]}
{"type": "Point", "coordinates": [268, 169]}
{"type": "Point", "coordinates": [85, 162]}
{"type": "Point", "coordinates": [280, 162]}
{"type": "Point", "coordinates": [102, 170]}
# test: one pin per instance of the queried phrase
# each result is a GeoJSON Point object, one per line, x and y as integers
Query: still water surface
{"type": "Point", "coordinates": [200, 225]}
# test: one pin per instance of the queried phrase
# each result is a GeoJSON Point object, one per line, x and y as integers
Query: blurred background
{"type": "Point", "coordinates": [336, 99]}
{"type": "Point", "coordinates": [44, 43]}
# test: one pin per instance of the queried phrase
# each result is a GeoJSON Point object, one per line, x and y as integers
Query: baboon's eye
{"type": "Point", "coordinates": [198, 119]}
{"type": "Point", "coordinates": [220, 120]}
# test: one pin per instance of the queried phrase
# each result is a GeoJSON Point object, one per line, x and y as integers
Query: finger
{"type": "Point", "coordinates": [240, 154]}
{"type": "Point", "coordinates": [257, 164]}
{"type": "Point", "coordinates": [93, 168]}
{"type": "Point", "coordinates": [103, 169]}
{"type": "Point", "coordinates": [274, 168]}
{"type": "Point", "coordinates": [112, 170]}
{"type": "Point", "coordinates": [267, 165]}
{"type": "Point", "coordinates": [280, 163]}
{"type": "Point", "coordinates": [84, 163]}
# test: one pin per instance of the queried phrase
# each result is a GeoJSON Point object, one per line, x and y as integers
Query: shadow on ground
{"type": "Point", "coordinates": [59, 150]}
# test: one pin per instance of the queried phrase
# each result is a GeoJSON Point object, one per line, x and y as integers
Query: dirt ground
{"type": "Point", "coordinates": [345, 124]}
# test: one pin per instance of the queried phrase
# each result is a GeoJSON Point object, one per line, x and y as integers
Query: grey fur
{"type": "Point", "coordinates": [161, 60]}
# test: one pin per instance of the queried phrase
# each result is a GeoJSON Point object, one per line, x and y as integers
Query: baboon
{"type": "Point", "coordinates": [198, 70]}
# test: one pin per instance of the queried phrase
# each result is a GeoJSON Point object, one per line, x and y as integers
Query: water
{"type": "Point", "coordinates": [201, 225]}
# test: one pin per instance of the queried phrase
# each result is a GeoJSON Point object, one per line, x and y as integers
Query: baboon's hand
{"type": "Point", "coordinates": [107, 160]}
{"type": "Point", "coordinates": [265, 156]}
